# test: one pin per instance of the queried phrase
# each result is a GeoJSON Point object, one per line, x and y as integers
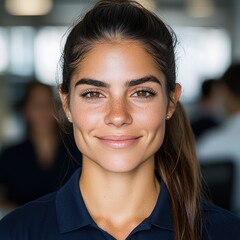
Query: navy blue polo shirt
{"type": "Point", "coordinates": [63, 216]}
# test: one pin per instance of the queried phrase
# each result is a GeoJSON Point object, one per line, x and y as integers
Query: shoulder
{"type": "Point", "coordinates": [22, 152]}
{"type": "Point", "coordinates": [220, 223]}
{"type": "Point", "coordinates": [17, 148]}
{"type": "Point", "coordinates": [208, 144]}
{"type": "Point", "coordinates": [210, 136]}
{"type": "Point", "coordinates": [30, 219]}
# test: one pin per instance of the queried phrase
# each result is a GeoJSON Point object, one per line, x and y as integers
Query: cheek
{"type": "Point", "coordinates": [84, 118]}
{"type": "Point", "coordinates": [153, 117]}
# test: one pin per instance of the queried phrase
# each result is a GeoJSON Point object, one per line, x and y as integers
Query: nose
{"type": "Point", "coordinates": [118, 113]}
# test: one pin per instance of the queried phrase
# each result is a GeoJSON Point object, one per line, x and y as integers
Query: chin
{"type": "Point", "coordinates": [119, 170]}
{"type": "Point", "coordinates": [120, 164]}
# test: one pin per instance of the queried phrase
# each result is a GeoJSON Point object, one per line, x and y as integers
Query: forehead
{"type": "Point", "coordinates": [117, 59]}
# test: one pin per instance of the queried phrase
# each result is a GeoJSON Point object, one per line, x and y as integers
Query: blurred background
{"type": "Point", "coordinates": [32, 35]}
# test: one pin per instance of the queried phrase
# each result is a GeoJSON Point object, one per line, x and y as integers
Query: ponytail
{"type": "Point", "coordinates": [181, 175]}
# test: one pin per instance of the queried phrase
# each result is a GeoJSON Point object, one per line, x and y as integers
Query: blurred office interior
{"type": "Point", "coordinates": [32, 36]}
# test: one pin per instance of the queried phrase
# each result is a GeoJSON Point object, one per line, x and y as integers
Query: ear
{"type": "Point", "coordinates": [65, 103]}
{"type": "Point", "coordinates": [174, 98]}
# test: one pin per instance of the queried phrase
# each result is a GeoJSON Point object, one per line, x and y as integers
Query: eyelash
{"type": "Point", "coordinates": [88, 92]}
{"type": "Point", "coordinates": [147, 91]}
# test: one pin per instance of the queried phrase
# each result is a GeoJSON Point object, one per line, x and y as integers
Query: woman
{"type": "Point", "coordinates": [39, 163]}
{"type": "Point", "coordinates": [139, 177]}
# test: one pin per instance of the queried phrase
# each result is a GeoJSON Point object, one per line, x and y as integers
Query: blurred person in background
{"type": "Point", "coordinates": [40, 163]}
{"type": "Point", "coordinates": [206, 114]}
{"type": "Point", "coordinates": [223, 142]}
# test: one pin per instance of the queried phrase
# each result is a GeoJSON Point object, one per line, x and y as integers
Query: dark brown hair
{"type": "Point", "coordinates": [176, 160]}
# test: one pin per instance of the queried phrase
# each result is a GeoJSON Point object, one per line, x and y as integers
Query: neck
{"type": "Point", "coordinates": [40, 135]}
{"type": "Point", "coordinates": [117, 200]}
{"type": "Point", "coordinates": [45, 145]}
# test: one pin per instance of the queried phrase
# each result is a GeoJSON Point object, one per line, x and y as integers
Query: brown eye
{"type": "Point", "coordinates": [92, 94]}
{"type": "Point", "coordinates": [144, 93]}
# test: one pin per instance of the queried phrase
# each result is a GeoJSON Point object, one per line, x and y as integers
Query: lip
{"type": "Point", "coordinates": [118, 142]}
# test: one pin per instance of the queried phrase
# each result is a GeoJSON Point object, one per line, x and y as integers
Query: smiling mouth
{"type": "Point", "coordinates": [119, 142]}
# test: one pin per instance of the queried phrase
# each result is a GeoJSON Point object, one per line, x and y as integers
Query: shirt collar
{"type": "Point", "coordinates": [162, 214]}
{"type": "Point", "coordinates": [72, 212]}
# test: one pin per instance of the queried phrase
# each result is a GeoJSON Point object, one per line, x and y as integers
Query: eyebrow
{"type": "Point", "coordinates": [130, 83]}
{"type": "Point", "coordinates": [139, 81]}
{"type": "Point", "coordinates": [96, 83]}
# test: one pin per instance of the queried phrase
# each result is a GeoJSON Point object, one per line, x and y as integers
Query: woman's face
{"type": "Point", "coordinates": [39, 110]}
{"type": "Point", "coordinates": [118, 106]}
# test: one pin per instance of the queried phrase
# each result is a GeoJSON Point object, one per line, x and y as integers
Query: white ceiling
{"type": "Point", "coordinates": [64, 11]}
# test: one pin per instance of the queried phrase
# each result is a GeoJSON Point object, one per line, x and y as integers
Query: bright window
{"type": "Point", "coordinates": [201, 53]}
{"type": "Point", "coordinates": [48, 47]}
{"type": "Point", "coordinates": [3, 50]}
{"type": "Point", "coordinates": [21, 50]}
